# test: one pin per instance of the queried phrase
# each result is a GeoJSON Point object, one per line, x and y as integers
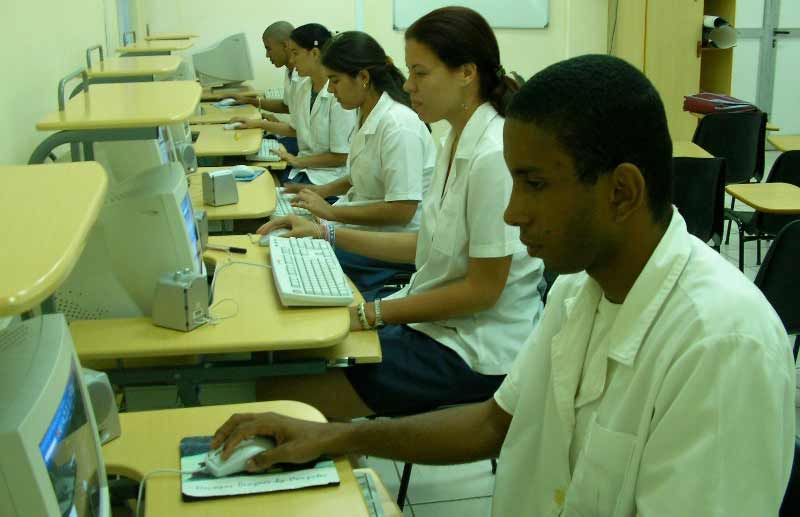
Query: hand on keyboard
{"type": "Point", "coordinates": [298, 227]}
{"type": "Point", "coordinates": [315, 204]}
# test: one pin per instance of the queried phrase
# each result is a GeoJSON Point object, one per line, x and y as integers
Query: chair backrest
{"type": "Point", "coordinates": [698, 191]}
{"type": "Point", "coordinates": [737, 137]}
{"type": "Point", "coordinates": [779, 276]}
{"type": "Point", "coordinates": [786, 169]}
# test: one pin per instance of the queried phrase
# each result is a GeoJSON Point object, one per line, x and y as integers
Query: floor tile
{"type": "Point", "coordinates": [446, 483]}
{"type": "Point", "coordinates": [477, 507]}
{"type": "Point", "coordinates": [387, 471]}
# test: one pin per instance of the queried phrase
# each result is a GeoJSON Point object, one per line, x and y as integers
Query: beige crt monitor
{"type": "Point", "coordinates": [50, 460]}
{"type": "Point", "coordinates": [225, 63]}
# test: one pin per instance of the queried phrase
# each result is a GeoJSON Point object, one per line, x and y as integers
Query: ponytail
{"type": "Point", "coordinates": [352, 51]}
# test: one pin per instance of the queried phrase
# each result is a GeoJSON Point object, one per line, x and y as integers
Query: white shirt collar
{"type": "Point", "coordinates": [473, 131]}
{"type": "Point", "coordinates": [373, 119]}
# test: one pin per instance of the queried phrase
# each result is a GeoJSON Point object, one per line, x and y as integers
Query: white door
{"type": "Point", "coordinates": [785, 111]}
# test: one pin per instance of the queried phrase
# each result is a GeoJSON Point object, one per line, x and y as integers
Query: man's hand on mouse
{"type": "Point", "coordinates": [298, 227]}
{"type": "Point", "coordinates": [296, 441]}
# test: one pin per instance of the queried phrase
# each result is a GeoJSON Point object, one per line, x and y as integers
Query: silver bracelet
{"type": "Point", "coordinates": [362, 317]}
{"type": "Point", "coordinates": [378, 314]}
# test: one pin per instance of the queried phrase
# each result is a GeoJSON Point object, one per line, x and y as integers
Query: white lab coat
{"type": "Point", "coordinates": [392, 157]}
{"type": "Point", "coordinates": [468, 222]}
{"type": "Point", "coordinates": [324, 128]}
{"type": "Point", "coordinates": [695, 416]}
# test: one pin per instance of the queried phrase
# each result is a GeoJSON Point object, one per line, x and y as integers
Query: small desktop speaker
{"type": "Point", "coordinates": [219, 188]}
{"type": "Point", "coordinates": [103, 404]}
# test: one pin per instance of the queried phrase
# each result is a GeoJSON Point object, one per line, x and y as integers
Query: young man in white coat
{"type": "Point", "coordinates": [659, 381]}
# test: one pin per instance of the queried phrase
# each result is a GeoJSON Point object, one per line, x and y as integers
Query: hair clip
{"type": "Point", "coordinates": [316, 43]}
{"type": "Point", "coordinates": [501, 72]}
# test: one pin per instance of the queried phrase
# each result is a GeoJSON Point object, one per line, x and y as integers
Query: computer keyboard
{"type": "Point", "coordinates": [307, 273]}
{"type": "Point", "coordinates": [264, 154]}
{"type": "Point", "coordinates": [283, 206]}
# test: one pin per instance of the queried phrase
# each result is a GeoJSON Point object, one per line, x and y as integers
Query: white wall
{"type": "Point", "coordinates": [42, 41]}
{"type": "Point", "coordinates": [576, 27]}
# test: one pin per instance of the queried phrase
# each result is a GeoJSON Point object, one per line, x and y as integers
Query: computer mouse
{"type": "Point", "coordinates": [242, 171]}
{"type": "Point", "coordinates": [237, 462]}
{"type": "Point", "coordinates": [224, 103]}
{"type": "Point", "coordinates": [233, 125]}
{"type": "Point", "coordinates": [264, 241]}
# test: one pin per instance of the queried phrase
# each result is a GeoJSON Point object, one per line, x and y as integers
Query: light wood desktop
{"type": "Point", "coordinates": [683, 149]}
{"type": "Point", "coordinates": [215, 140]}
{"type": "Point", "coordinates": [134, 66]}
{"type": "Point", "coordinates": [215, 94]}
{"type": "Point", "coordinates": [150, 441]}
{"type": "Point", "coordinates": [256, 198]}
{"type": "Point", "coordinates": [261, 322]}
{"type": "Point", "coordinates": [170, 36]}
{"type": "Point", "coordinates": [770, 126]}
{"type": "Point", "coordinates": [772, 198]}
{"type": "Point", "coordinates": [126, 105]}
{"type": "Point", "coordinates": [47, 212]}
{"type": "Point", "coordinates": [214, 115]}
{"type": "Point", "coordinates": [785, 142]}
{"type": "Point", "coordinates": [156, 47]}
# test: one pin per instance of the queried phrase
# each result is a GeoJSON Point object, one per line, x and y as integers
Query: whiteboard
{"type": "Point", "coordinates": [501, 14]}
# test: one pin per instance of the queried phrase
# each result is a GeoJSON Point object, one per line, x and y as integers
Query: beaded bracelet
{"type": "Point", "coordinates": [378, 314]}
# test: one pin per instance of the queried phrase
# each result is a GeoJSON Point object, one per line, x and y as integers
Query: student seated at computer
{"type": "Point", "coordinates": [322, 126]}
{"type": "Point", "coordinates": [391, 160]}
{"type": "Point", "coordinates": [274, 38]}
{"type": "Point", "coordinates": [453, 332]}
{"type": "Point", "coordinates": [659, 382]}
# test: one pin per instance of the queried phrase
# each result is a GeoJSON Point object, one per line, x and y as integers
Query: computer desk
{"type": "Point", "coordinates": [770, 126]}
{"type": "Point", "coordinates": [319, 336]}
{"type": "Point", "coordinates": [114, 112]}
{"type": "Point", "coordinates": [48, 211]}
{"type": "Point", "coordinates": [117, 68]}
{"type": "Point", "coordinates": [215, 94]}
{"type": "Point", "coordinates": [684, 149]}
{"type": "Point", "coordinates": [170, 36]}
{"type": "Point", "coordinates": [256, 198]}
{"type": "Point", "coordinates": [150, 441]}
{"type": "Point", "coordinates": [785, 142]}
{"type": "Point", "coordinates": [155, 48]}
{"type": "Point", "coordinates": [214, 115]}
{"type": "Point", "coordinates": [215, 140]}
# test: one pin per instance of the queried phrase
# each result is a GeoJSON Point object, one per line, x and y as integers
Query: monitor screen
{"type": "Point", "coordinates": [191, 230]}
{"type": "Point", "coordinates": [69, 453]}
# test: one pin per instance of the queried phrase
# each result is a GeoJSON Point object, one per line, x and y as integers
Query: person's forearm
{"type": "Point", "coordinates": [334, 188]}
{"type": "Point", "coordinates": [458, 298]}
{"type": "Point", "coordinates": [398, 247]}
{"type": "Point", "coordinates": [456, 435]}
{"type": "Point", "coordinates": [274, 105]}
{"type": "Point", "coordinates": [376, 214]}
{"type": "Point", "coordinates": [278, 128]}
{"type": "Point", "coordinates": [318, 161]}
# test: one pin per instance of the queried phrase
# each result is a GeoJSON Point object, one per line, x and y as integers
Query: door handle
{"type": "Point", "coordinates": [776, 32]}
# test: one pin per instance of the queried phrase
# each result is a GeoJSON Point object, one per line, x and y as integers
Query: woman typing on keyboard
{"type": "Point", "coordinates": [322, 126]}
{"type": "Point", "coordinates": [452, 333]}
{"type": "Point", "coordinates": [391, 160]}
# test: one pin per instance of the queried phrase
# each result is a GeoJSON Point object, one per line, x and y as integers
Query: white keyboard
{"type": "Point", "coordinates": [307, 273]}
{"type": "Point", "coordinates": [264, 154]}
{"type": "Point", "coordinates": [283, 206]}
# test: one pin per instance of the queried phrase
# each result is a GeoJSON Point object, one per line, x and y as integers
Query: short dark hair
{"type": "Point", "coordinates": [352, 51]}
{"type": "Point", "coordinates": [280, 31]}
{"type": "Point", "coordinates": [311, 35]}
{"type": "Point", "coordinates": [459, 35]}
{"type": "Point", "coordinates": [603, 112]}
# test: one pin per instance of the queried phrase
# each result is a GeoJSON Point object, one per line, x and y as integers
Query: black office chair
{"type": "Point", "coordinates": [791, 498]}
{"type": "Point", "coordinates": [779, 278]}
{"type": "Point", "coordinates": [758, 226]}
{"type": "Point", "coordinates": [739, 138]}
{"type": "Point", "coordinates": [698, 186]}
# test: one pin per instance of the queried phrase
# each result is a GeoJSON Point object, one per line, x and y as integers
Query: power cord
{"type": "Point", "coordinates": [158, 472]}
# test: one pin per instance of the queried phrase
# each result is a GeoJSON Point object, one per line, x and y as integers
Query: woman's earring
{"type": "Point", "coordinates": [364, 85]}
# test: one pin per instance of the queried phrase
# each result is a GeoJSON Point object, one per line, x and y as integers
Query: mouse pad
{"type": "Point", "coordinates": [196, 487]}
